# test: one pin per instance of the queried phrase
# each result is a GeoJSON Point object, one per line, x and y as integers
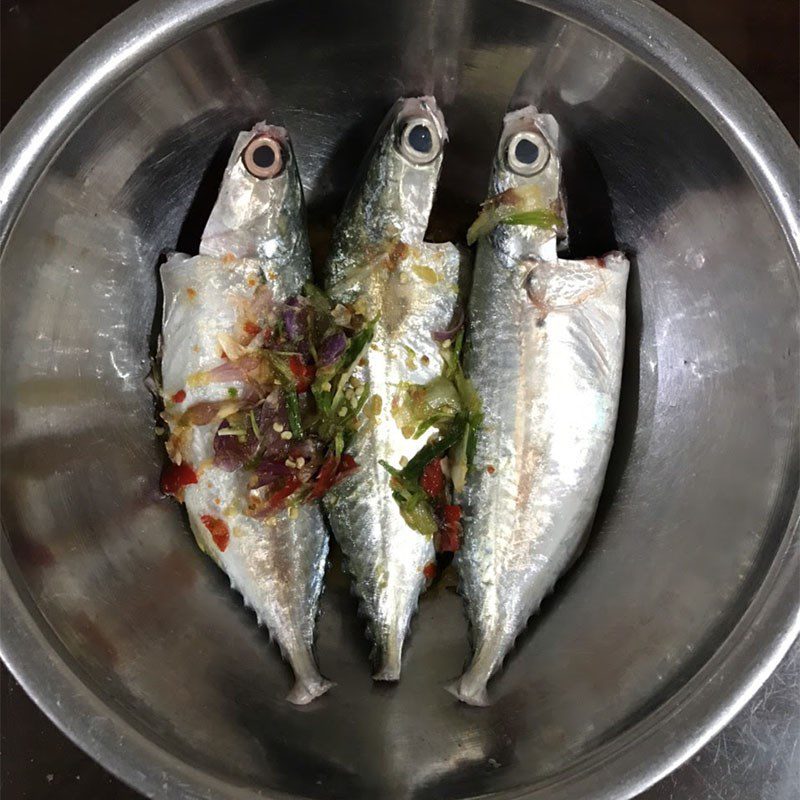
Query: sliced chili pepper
{"type": "Point", "coordinates": [325, 477]}
{"type": "Point", "coordinates": [432, 480]}
{"type": "Point", "coordinates": [331, 472]}
{"type": "Point", "coordinates": [251, 328]}
{"type": "Point", "coordinates": [277, 499]}
{"type": "Point", "coordinates": [179, 396]}
{"type": "Point", "coordinates": [347, 464]}
{"type": "Point", "coordinates": [175, 476]}
{"type": "Point", "coordinates": [304, 373]}
{"type": "Point", "coordinates": [430, 570]}
{"type": "Point", "coordinates": [450, 529]}
{"type": "Point", "coordinates": [218, 530]}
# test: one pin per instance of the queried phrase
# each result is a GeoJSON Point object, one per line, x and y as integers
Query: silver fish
{"type": "Point", "coordinates": [380, 264]}
{"type": "Point", "coordinates": [545, 356]}
{"type": "Point", "coordinates": [255, 237]}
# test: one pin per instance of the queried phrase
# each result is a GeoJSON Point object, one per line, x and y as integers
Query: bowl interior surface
{"type": "Point", "coordinates": [702, 477]}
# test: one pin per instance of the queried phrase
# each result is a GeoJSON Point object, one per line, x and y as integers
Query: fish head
{"type": "Point", "coordinates": [394, 198]}
{"type": "Point", "coordinates": [527, 154]}
{"type": "Point", "coordinates": [259, 212]}
{"type": "Point", "coordinates": [526, 179]}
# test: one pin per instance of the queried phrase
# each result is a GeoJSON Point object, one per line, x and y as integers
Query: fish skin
{"type": "Point", "coordinates": [545, 355]}
{"type": "Point", "coordinates": [255, 233]}
{"type": "Point", "coordinates": [379, 262]}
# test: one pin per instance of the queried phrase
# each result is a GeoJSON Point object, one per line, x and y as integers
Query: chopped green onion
{"type": "Point", "coordinates": [253, 422]}
{"type": "Point", "coordinates": [293, 412]}
{"type": "Point", "coordinates": [538, 218]}
{"type": "Point", "coordinates": [232, 432]}
{"type": "Point", "coordinates": [435, 449]}
{"type": "Point", "coordinates": [511, 207]}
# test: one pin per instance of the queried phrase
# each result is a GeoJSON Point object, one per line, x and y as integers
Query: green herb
{"type": "Point", "coordinates": [233, 392]}
{"type": "Point", "coordinates": [238, 432]}
{"type": "Point", "coordinates": [450, 404]}
{"type": "Point", "coordinates": [435, 449]}
{"type": "Point", "coordinates": [254, 424]}
{"type": "Point", "coordinates": [293, 412]}
{"type": "Point", "coordinates": [281, 366]}
{"type": "Point", "coordinates": [350, 358]}
{"type": "Point", "coordinates": [538, 218]}
{"type": "Point", "coordinates": [520, 205]}
{"type": "Point", "coordinates": [414, 504]}
{"type": "Point", "coordinates": [330, 386]}
{"type": "Point", "coordinates": [318, 300]}
{"type": "Point", "coordinates": [338, 443]}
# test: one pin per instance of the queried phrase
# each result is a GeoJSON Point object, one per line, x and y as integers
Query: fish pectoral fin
{"type": "Point", "coordinates": [561, 285]}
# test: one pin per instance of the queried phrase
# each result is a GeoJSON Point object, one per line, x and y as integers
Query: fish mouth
{"type": "Point", "coordinates": [419, 129]}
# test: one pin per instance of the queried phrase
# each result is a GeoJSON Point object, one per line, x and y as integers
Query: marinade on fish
{"type": "Point", "coordinates": [545, 352]}
{"type": "Point", "coordinates": [254, 254]}
{"type": "Point", "coordinates": [381, 266]}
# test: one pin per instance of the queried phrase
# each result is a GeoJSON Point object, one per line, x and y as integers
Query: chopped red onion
{"type": "Point", "coordinates": [203, 413]}
{"type": "Point", "coordinates": [295, 319]}
{"type": "Point", "coordinates": [268, 472]}
{"type": "Point", "coordinates": [232, 452]}
{"type": "Point", "coordinates": [332, 346]}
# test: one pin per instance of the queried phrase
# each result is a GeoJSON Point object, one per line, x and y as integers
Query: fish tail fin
{"type": "Point", "coordinates": [308, 683]}
{"type": "Point", "coordinates": [307, 688]}
{"type": "Point", "coordinates": [388, 661]}
{"type": "Point", "coordinates": [489, 654]}
{"type": "Point", "coordinates": [472, 693]}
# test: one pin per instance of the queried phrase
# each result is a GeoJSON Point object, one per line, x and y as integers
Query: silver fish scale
{"type": "Point", "coordinates": [380, 264]}
{"type": "Point", "coordinates": [545, 356]}
{"type": "Point", "coordinates": [256, 229]}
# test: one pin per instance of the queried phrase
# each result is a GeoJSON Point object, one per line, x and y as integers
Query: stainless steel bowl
{"type": "Point", "coordinates": [687, 595]}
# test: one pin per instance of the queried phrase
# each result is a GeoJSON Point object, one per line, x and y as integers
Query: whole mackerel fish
{"type": "Point", "coordinates": [380, 265]}
{"type": "Point", "coordinates": [545, 356]}
{"type": "Point", "coordinates": [255, 235]}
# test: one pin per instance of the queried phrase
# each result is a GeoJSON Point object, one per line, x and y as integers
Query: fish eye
{"type": "Point", "coordinates": [263, 157]}
{"type": "Point", "coordinates": [527, 153]}
{"type": "Point", "coordinates": [419, 140]}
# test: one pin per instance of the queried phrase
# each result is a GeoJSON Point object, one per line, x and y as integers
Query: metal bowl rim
{"type": "Point", "coordinates": [670, 734]}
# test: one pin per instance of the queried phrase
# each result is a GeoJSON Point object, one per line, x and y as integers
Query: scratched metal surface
{"type": "Point", "coordinates": [756, 757]}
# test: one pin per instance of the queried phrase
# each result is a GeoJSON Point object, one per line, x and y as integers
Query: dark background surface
{"type": "Point", "coordinates": [758, 756]}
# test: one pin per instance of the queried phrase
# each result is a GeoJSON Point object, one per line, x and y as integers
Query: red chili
{"type": "Point", "coordinates": [179, 396]}
{"type": "Point", "coordinates": [251, 328]}
{"type": "Point", "coordinates": [430, 570]}
{"type": "Point", "coordinates": [325, 476]}
{"type": "Point", "coordinates": [303, 372]}
{"type": "Point", "coordinates": [218, 529]}
{"type": "Point", "coordinates": [451, 528]}
{"type": "Point", "coordinates": [331, 472]}
{"type": "Point", "coordinates": [175, 476]}
{"type": "Point", "coordinates": [276, 500]}
{"type": "Point", "coordinates": [432, 480]}
{"type": "Point", "coordinates": [347, 464]}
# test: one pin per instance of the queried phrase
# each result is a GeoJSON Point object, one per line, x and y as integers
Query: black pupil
{"type": "Point", "coordinates": [526, 151]}
{"type": "Point", "coordinates": [419, 137]}
{"type": "Point", "coordinates": [264, 156]}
